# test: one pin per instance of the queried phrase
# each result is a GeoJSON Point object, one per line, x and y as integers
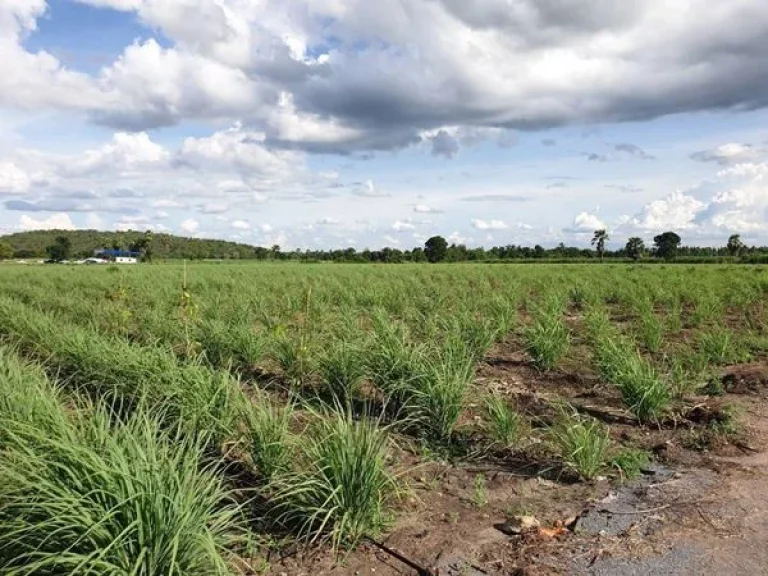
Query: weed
{"type": "Point", "coordinates": [629, 463]}
{"type": "Point", "coordinates": [480, 494]}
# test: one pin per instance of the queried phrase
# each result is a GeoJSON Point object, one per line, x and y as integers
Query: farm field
{"type": "Point", "coordinates": [292, 418]}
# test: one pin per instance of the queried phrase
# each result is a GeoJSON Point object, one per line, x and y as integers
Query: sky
{"type": "Point", "coordinates": [350, 123]}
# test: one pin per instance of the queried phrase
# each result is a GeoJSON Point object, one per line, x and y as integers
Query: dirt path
{"type": "Point", "coordinates": [708, 521]}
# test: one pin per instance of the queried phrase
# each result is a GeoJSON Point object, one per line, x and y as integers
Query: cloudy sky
{"type": "Point", "coordinates": [334, 123]}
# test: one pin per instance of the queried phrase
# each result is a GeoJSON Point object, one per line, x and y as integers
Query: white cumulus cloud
{"type": "Point", "coordinates": [60, 221]}
{"type": "Point", "coordinates": [489, 224]}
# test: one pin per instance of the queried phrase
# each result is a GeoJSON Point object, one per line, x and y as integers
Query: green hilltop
{"type": "Point", "coordinates": [33, 244]}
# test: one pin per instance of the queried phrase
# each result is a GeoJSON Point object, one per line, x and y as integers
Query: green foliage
{"type": "Point", "coordinates": [547, 339]}
{"type": "Point", "coordinates": [630, 462]}
{"type": "Point", "coordinates": [341, 485]}
{"type": "Point", "coordinates": [599, 240]}
{"type": "Point", "coordinates": [6, 251]}
{"type": "Point", "coordinates": [666, 245]}
{"type": "Point", "coordinates": [61, 249]}
{"type": "Point", "coordinates": [268, 432]}
{"type": "Point", "coordinates": [642, 388]}
{"type": "Point", "coordinates": [504, 424]}
{"type": "Point", "coordinates": [635, 248]}
{"type": "Point", "coordinates": [719, 347]}
{"type": "Point", "coordinates": [104, 498]}
{"type": "Point", "coordinates": [735, 246]}
{"type": "Point", "coordinates": [581, 443]}
{"type": "Point", "coordinates": [435, 249]}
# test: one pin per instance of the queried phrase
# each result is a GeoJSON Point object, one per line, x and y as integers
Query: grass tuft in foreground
{"type": "Point", "coordinates": [112, 499]}
{"type": "Point", "coordinates": [341, 487]}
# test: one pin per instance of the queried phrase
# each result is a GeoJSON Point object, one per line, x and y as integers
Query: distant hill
{"type": "Point", "coordinates": [84, 242]}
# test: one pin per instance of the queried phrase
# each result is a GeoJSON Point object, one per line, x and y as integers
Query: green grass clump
{"type": "Point", "coordinates": [642, 388]}
{"type": "Point", "coordinates": [111, 368]}
{"type": "Point", "coordinates": [341, 486]}
{"type": "Point", "coordinates": [26, 395]}
{"type": "Point", "coordinates": [547, 339]}
{"type": "Point", "coordinates": [504, 424]}
{"type": "Point", "coordinates": [342, 370]}
{"type": "Point", "coordinates": [226, 344]}
{"type": "Point", "coordinates": [719, 347]}
{"type": "Point", "coordinates": [437, 397]}
{"type": "Point", "coordinates": [581, 442]}
{"type": "Point", "coordinates": [651, 330]}
{"type": "Point", "coordinates": [629, 463]}
{"type": "Point", "coordinates": [268, 432]}
{"type": "Point", "coordinates": [108, 498]}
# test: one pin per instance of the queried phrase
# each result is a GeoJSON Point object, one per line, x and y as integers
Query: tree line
{"type": "Point", "coordinates": [62, 245]}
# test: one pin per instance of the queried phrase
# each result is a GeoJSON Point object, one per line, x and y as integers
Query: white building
{"type": "Point", "coordinates": [125, 260]}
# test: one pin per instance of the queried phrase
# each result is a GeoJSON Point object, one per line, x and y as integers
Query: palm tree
{"type": "Point", "coordinates": [635, 248]}
{"type": "Point", "coordinates": [735, 245]}
{"type": "Point", "coordinates": [599, 240]}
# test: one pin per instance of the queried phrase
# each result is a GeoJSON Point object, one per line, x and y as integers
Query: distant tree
{"type": "Point", "coordinates": [142, 245]}
{"type": "Point", "coordinates": [60, 250]}
{"type": "Point", "coordinates": [735, 246]}
{"type": "Point", "coordinates": [436, 248]}
{"type": "Point", "coordinates": [417, 255]}
{"type": "Point", "coordinates": [6, 251]}
{"type": "Point", "coordinates": [539, 251]}
{"type": "Point", "coordinates": [599, 240]}
{"type": "Point", "coordinates": [635, 248]}
{"type": "Point", "coordinates": [666, 244]}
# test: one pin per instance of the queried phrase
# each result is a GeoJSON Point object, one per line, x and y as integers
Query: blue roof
{"type": "Point", "coordinates": [118, 253]}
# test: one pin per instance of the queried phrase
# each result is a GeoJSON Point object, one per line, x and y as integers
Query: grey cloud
{"type": "Point", "coordinates": [549, 142]}
{"type": "Point", "coordinates": [125, 193]}
{"type": "Point", "coordinates": [594, 157]}
{"type": "Point", "coordinates": [55, 205]}
{"type": "Point", "coordinates": [78, 194]}
{"type": "Point", "coordinates": [633, 150]}
{"type": "Point", "coordinates": [726, 154]}
{"type": "Point", "coordinates": [443, 144]}
{"type": "Point", "coordinates": [392, 76]}
{"type": "Point", "coordinates": [626, 188]}
{"type": "Point", "coordinates": [496, 198]}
